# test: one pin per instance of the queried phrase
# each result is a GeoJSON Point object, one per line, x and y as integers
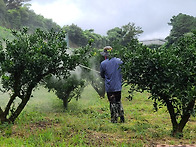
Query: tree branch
{"type": "Point", "coordinates": [22, 104]}
{"type": "Point", "coordinates": [170, 108]}
{"type": "Point", "coordinates": [12, 98]}
{"type": "Point", "coordinates": [186, 115]}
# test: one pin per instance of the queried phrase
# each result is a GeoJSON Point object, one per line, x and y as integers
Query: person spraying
{"type": "Point", "coordinates": [111, 72]}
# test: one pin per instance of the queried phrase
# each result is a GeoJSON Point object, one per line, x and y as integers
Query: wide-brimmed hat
{"type": "Point", "coordinates": [106, 50]}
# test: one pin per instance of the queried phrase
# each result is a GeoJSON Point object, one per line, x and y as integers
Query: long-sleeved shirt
{"type": "Point", "coordinates": [110, 71]}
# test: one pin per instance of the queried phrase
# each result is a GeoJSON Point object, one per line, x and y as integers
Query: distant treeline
{"type": "Point", "coordinates": [16, 14]}
{"type": "Point", "coordinates": [182, 24]}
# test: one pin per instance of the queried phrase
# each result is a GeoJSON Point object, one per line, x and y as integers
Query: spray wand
{"type": "Point", "coordinates": [89, 68]}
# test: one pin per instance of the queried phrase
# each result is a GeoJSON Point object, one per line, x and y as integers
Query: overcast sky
{"type": "Point", "coordinates": [152, 16]}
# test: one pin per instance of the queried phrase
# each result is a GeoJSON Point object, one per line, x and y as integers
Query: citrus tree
{"type": "Point", "coordinates": [65, 89]}
{"type": "Point", "coordinates": [169, 74]}
{"type": "Point", "coordinates": [27, 60]}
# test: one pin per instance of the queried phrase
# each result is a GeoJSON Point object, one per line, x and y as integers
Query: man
{"type": "Point", "coordinates": [110, 71]}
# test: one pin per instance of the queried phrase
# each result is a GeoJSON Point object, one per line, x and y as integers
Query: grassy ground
{"type": "Point", "coordinates": [86, 122]}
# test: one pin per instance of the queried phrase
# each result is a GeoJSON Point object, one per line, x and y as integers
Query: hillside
{"type": "Point", "coordinates": [18, 15]}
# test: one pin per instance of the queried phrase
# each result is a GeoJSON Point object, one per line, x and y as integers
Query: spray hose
{"type": "Point", "coordinates": [89, 68]}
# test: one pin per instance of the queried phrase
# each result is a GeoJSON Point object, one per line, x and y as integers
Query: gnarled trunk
{"type": "Point", "coordinates": [177, 128]}
{"type": "Point", "coordinates": [4, 114]}
{"type": "Point", "coordinates": [186, 115]}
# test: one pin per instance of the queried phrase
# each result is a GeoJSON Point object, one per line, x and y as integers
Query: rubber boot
{"type": "Point", "coordinates": [114, 112]}
{"type": "Point", "coordinates": [120, 112]}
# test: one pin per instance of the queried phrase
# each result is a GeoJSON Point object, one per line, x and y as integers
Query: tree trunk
{"type": "Point", "coordinates": [18, 110]}
{"type": "Point", "coordinates": [65, 102]}
{"type": "Point", "coordinates": [186, 115]}
{"type": "Point", "coordinates": [15, 114]}
{"type": "Point", "coordinates": [177, 128]}
{"type": "Point", "coordinates": [7, 109]}
{"type": "Point", "coordinates": [170, 108]}
{"type": "Point", "coordinates": [2, 116]}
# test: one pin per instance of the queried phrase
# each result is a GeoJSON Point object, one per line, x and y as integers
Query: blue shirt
{"type": "Point", "coordinates": [110, 71]}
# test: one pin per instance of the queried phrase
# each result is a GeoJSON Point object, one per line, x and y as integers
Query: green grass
{"type": "Point", "coordinates": [44, 122]}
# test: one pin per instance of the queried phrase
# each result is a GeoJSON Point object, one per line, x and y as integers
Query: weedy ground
{"type": "Point", "coordinates": [86, 122]}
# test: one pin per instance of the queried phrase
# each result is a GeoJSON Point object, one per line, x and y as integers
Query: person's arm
{"type": "Point", "coordinates": [102, 72]}
{"type": "Point", "coordinates": [119, 61]}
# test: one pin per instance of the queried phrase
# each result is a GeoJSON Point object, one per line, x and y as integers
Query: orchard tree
{"type": "Point", "coordinates": [169, 74]}
{"type": "Point", "coordinates": [66, 89]}
{"type": "Point", "coordinates": [27, 60]}
{"type": "Point", "coordinates": [72, 87]}
{"type": "Point", "coordinates": [69, 88]}
{"type": "Point", "coordinates": [86, 73]}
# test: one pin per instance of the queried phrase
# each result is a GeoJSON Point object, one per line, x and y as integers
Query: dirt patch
{"type": "Point", "coordinates": [99, 139]}
{"type": "Point", "coordinates": [153, 143]}
{"type": "Point", "coordinates": [40, 125]}
{"type": "Point", "coordinates": [176, 145]}
{"type": "Point", "coordinates": [33, 127]}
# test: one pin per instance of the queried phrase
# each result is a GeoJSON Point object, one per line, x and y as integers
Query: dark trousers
{"type": "Point", "coordinates": [116, 108]}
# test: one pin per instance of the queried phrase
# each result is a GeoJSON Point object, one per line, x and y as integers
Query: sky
{"type": "Point", "coordinates": [152, 16]}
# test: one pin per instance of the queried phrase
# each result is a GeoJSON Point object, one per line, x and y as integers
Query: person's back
{"type": "Point", "coordinates": [111, 72]}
